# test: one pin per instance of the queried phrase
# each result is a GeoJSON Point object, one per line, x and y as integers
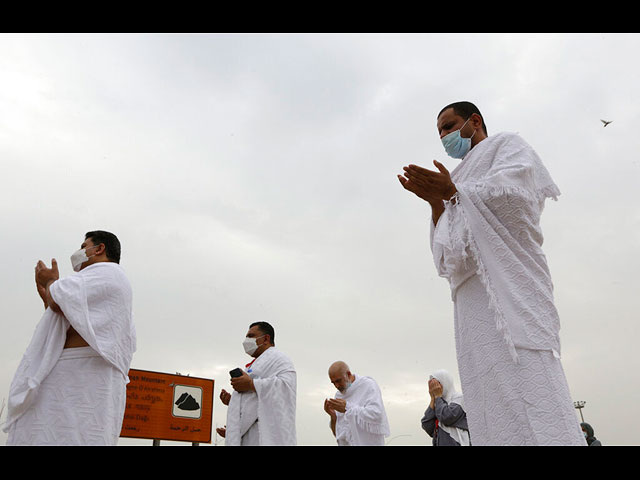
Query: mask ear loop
{"type": "Point", "coordinates": [92, 246]}
{"type": "Point", "coordinates": [460, 129]}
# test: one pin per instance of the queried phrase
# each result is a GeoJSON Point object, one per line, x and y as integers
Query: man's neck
{"type": "Point", "coordinates": [478, 138]}
{"type": "Point", "coordinates": [263, 351]}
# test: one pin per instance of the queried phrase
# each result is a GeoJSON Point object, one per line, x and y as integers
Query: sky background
{"type": "Point", "coordinates": [253, 177]}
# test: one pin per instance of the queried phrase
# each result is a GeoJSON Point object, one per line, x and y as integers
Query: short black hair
{"type": "Point", "coordinates": [266, 329]}
{"type": "Point", "coordinates": [110, 241]}
{"type": "Point", "coordinates": [465, 110]}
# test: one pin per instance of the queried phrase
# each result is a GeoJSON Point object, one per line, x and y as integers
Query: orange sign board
{"type": "Point", "coordinates": [162, 406]}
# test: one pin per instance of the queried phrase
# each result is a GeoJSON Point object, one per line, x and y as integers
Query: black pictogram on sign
{"type": "Point", "coordinates": [187, 401]}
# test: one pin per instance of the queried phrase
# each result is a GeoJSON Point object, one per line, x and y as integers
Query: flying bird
{"type": "Point", "coordinates": [606, 122]}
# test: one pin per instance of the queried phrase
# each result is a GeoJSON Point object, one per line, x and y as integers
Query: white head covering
{"type": "Point", "coordinates": [449, 392]}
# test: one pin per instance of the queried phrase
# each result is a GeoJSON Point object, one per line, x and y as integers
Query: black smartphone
{"type": "Point", "coordinates": [236, 372]}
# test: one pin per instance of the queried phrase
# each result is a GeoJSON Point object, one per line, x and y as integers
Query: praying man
{"type": "Point", "coordinates": [262, 408]}
{"type": "Point", "coordinates": [487, 242]}
{"type": "Point", "coordinates": [70, 386]}
{"type": "Point", "coordinates": [357, 414]}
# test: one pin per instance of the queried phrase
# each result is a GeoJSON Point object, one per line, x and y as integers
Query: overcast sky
{"type": "Point", "coordinates": [253, 177]}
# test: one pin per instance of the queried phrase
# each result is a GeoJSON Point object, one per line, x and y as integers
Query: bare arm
{"type": "Point", "coordinates": [44, 278]}
{"type": "Point", "coordinates": [332, 414]}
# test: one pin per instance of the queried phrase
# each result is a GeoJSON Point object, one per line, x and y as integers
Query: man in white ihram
{"type": "Point", "coordinates": [70, 387]}
{"type": "Point", "coordinates": [486, 240]}
{"type": "Point", "coordinates": [262, 410]}
{"type": "Point", "coordinates": [358, 417]}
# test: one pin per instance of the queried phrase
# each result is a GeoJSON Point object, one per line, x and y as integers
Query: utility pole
{"type": "Point", "coordinates": [580, 405]}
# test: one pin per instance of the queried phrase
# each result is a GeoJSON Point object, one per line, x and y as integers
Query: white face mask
{"type": "Point", "coordinates": [79, 257]}
{"type": "Point", "coordinates": [250, 345]}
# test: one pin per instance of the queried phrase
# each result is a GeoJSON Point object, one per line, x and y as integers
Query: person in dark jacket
{"type": "Point", "coordinates": [445, 419]}
{"type": "Point", "coordinates": [592, 441]}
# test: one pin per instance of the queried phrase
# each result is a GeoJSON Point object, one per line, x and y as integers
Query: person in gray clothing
{"type": "Point", "coordinates": [592, 441]}
{"type": "Point", "coordinates": [445, 419]}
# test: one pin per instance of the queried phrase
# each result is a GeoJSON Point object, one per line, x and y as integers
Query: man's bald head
{"type": "Point", "coordinates": [340, 375]}
{"type": "Point", "coordinates": [338, 367]}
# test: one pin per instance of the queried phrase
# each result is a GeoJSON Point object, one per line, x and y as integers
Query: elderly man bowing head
{"type": "Point", "coordinates": [357, 412]}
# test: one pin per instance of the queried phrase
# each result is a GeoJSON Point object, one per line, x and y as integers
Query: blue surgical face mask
{"type": "Point", "coordinates": [455, 145]}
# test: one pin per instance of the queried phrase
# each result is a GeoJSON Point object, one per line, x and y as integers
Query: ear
{"type": "Point", "coordinates": [476, 120]}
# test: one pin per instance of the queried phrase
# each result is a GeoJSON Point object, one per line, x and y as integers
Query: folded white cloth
{"type": "Point", "coordinates": [493, 229]}
{"type": "Point", "coordinates": [81, 402]}
{"type": "Point", "coordinates": [272, 405]}
{"type": "Point", "coordinates": [365, 421]}
{"type": "Point", "coordinates": [97, 303]}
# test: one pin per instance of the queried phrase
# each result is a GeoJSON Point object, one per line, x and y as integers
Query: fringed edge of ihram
{"type": "Point", "coordinates": [494, 306]}
{"type": "Point", "coordinates": [549, 191]}
{"type": "Point", "coordinates": [374, 428]}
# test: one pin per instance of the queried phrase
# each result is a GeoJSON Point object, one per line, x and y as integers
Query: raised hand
{"type": "Point", "coordinates": [336, 404]}
{"type": "Point", "coordinates": [225, 397]}
{"type": "Point", "coordinates": [432, 186]}
{"type": "Point", "coordinates": [45, 275]}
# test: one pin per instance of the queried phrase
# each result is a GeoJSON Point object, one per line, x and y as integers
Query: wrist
{"type": "Point", "coordinates": [437, 207]}
{"type": "Point", "coordinates": [451, 193]}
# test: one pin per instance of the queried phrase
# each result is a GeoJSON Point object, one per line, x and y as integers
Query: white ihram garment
{"type": "Point", "coordinates": [365, 421]}
{"type": "Point", "coordinates": [268, 415]}
{"type": "Point", "coordinates": [76, 396]}
{"type": "Point", "coordinates": [487, 243]}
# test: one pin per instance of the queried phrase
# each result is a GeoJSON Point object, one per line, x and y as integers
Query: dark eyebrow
{"type": "Point", "coordinates": [447, 126]}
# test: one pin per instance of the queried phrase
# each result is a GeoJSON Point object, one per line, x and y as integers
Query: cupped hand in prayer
{"type": "Point", "coordinates": [337, 404]}
{"type": "Point", "coordinates": [427, 184]}
{"type": "Point", "coordinates": [225, 397]}
{"type": "Point", "coordinates": [328, 408]}
{"type": "Point", "coordinates": [435, 388]}
{"type": "Point", "coordinates": [45, 275]}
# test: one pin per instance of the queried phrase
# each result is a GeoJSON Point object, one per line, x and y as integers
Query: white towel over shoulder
{"type": "Point", "coordinates": [273, 404]}
{"type": "Point", "coordinates": [97, 303]}
{"type": "Point", "coordinates": [365, 421]}
{"type": "Point", "coordinates": [495, 224]}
